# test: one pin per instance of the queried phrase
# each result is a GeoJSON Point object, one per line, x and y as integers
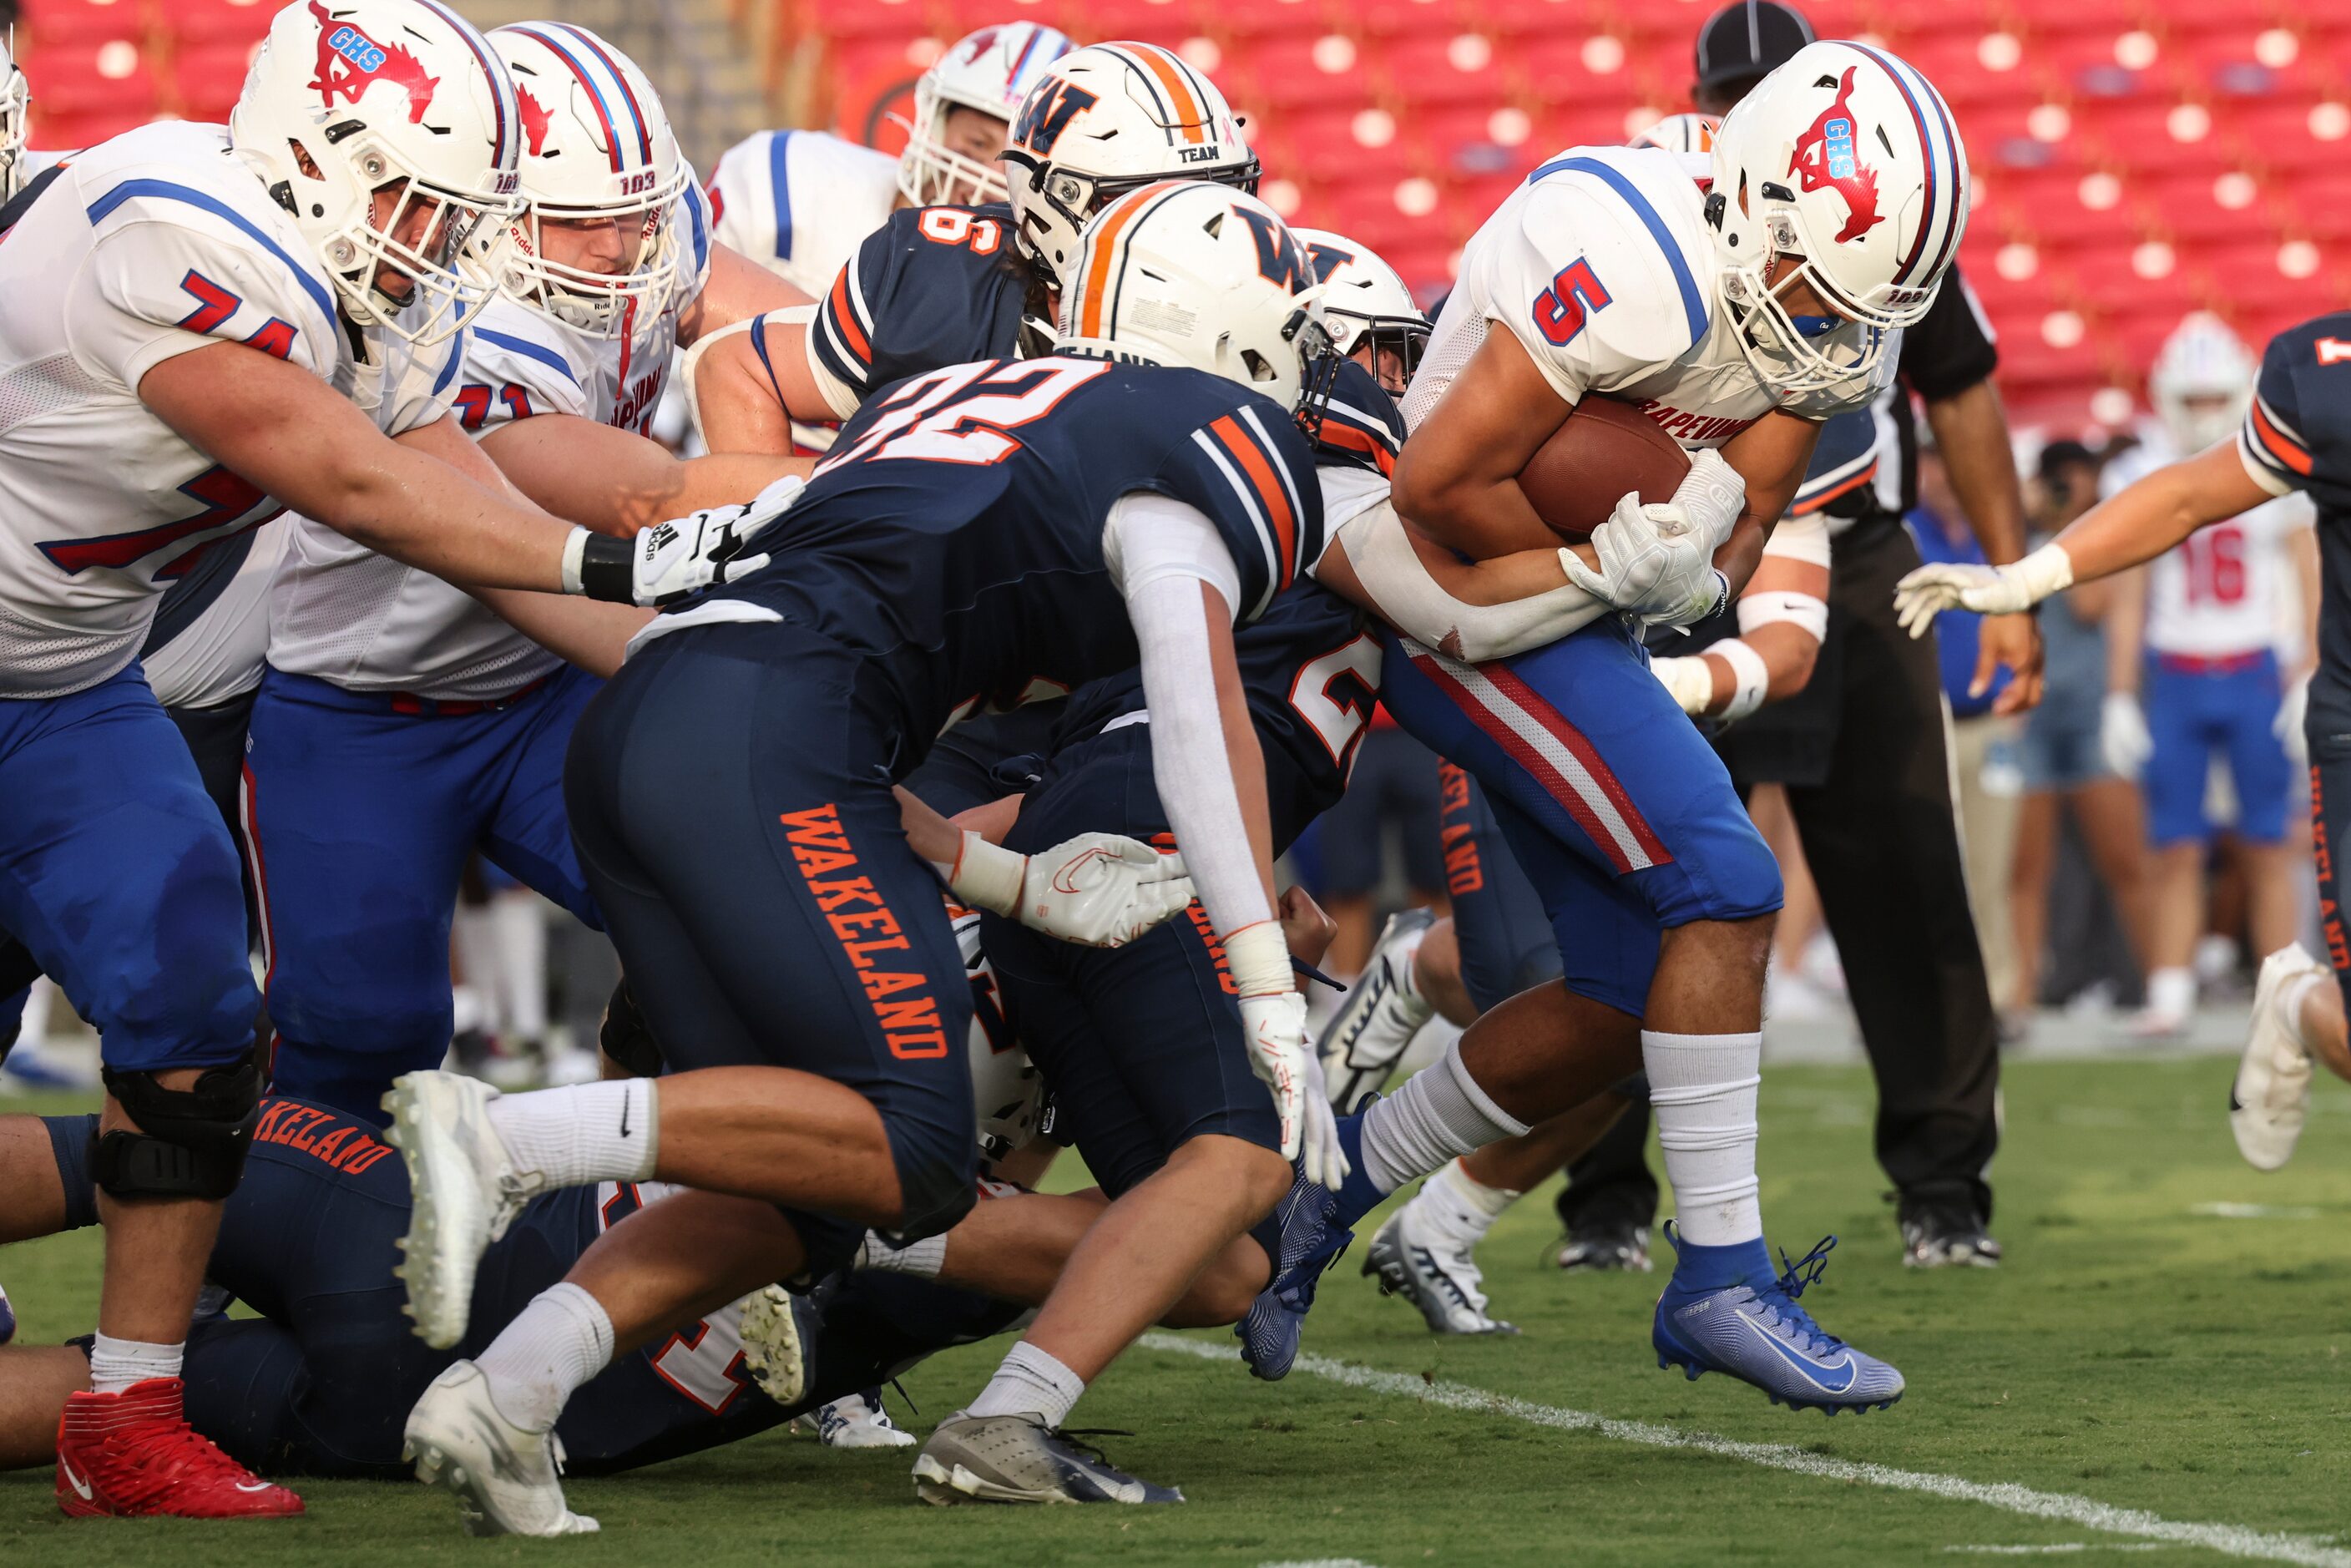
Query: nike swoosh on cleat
{"type": "Point", "coordinates": [253, 1486]}
{"type": "Point", "coordinates": [1812, 1370]}
{"type": "Point", "coordinates": [80, 1487]}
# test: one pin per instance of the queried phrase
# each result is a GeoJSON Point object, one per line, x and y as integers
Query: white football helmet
{"type": "Point", "coordinates": [2202, 379]}
{"type": "Point", "coordinates": [15, 99]}
{"type": "Point", "coordinates": [1680, 134]}
{"type": "Point", "coordinates": [1186, 272]}
{"type": "Point", "coordinates": [1845, 161]}
{"type": "Point", "coordinates": [1364, 301]}
{"type": "Point", "coordinates": [1107, 120]}
{"type": "Point", "coordinates": [991, 71]}
{"type": "Point", "coordinates": [355, 98]}
{"type": "Point", "coordinates": [597, 147]}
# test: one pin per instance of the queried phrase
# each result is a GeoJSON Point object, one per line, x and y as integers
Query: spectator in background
{"type": "Point", "coordinates": [2212, 688]}
{"type": "Point", "coordinates": [2080, 749]}
{"type": "Point", "coordinates": [1983, 743]}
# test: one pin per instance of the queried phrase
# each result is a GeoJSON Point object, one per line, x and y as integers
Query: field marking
{"type": "Point", "coordinates": [2253, 1211]}
{"type": "Point", "coordinates": [1323, 1563]}
{"type": "Point", "coordinates": [2229, 1540]}
{"type": "Point", "coordinates": [2065, 1547]}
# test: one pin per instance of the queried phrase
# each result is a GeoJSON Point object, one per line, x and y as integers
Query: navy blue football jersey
{"type": "Point", "coordinates": [2297, 434]}
{"type": "Point", "coordinates": [934, 286]}
{"type": "Point", "coordinates": [954, 533]}
{"type": "Point", "coordinates": [1362, 427]}
{"type": "Point", "coordinates": [1310, 669]}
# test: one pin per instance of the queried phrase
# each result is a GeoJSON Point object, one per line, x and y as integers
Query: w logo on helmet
{"type": "Point", "coordinates": [1280, 257]}
{"type": "Point", "coordinates": [1047, 112]}
{"type": "Point", "coordinates": [1825, 156]}
{"type": "Point", "coordinates": [349, 62]}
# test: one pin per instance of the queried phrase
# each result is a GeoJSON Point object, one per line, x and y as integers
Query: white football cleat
{"type": "Point", "coordinates": [856, 1421]}
{"type": "Point", "coordinates": [1384, 1010]}
{"type": "Point", "coordinates": [467, 1191]}
{"type": "Point", "coordinates": [2271, 1096]}
{"type": "Point", "coordinates": [505, 1477]}
{"type": "Point", "coordinates": [1434, 1272]}
{"type": "Point", "coordinates": [775, 1350]}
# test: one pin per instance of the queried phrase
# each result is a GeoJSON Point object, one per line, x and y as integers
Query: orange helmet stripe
{"type": "Point", "coordinates": [1174, 77]}
{"type": "Point", "coordinates": [1108, 228]}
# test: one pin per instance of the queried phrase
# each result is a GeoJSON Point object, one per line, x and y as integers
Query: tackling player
{"type": "Point", "coordinates": [205, 326]}
{"type": "Point", "coordinates": [2293, 438]}
{"type": "Point", "coordinates": [402, 722]}
{"type": "Point", "coordinates": [1838, 196]}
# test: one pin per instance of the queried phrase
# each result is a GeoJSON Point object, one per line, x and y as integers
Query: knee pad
{"type": "Point", "coordinates": [626, 1037]}
{"type": "Point", "coordinates": [193, 1141]}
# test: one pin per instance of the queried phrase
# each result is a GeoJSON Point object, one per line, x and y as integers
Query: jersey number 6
{"type": "Point", "coordinates": [1573, 294]}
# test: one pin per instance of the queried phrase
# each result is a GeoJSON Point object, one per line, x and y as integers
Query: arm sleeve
{"type": "Point", "coordinates": [1158, 550]}
{"type": "Point", "coordinates": [1953, 348]}
{"type": "Point", "coordinates": [2271, 440]}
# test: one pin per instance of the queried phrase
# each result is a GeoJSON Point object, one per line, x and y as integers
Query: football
{"type": "Point", "coordinates": [1605, 448]}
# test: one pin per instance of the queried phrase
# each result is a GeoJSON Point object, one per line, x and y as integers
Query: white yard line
{"type": "Point", "coordinates": [2231, 1540]}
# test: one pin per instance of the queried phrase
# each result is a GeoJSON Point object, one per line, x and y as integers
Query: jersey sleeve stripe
{"type": "Point", "coordinates": [1810, 499]}
{"type": "Point", "coordinates": [841, 316]}
{"type": "Point", "coordinates": [1249, 500]}
{"type": "Point", "coordinates": [449, 368]}
{"type": "Point", "coordinates": [779, 181]}
{"type": "Point", "coordinates": [1693, 302]}
{"type": "Point", "coordinates": [2275, 442]}
{"type": "Point", "coordinates": [1347, 438]}
{"type": "Point", "coordinates": [529, 350]}
{"type": "Point", "coordinates": [131, 190]}
{"type": "Point", "coordinates": [1307, 549]}
{"type": "Point", "coordinates": [1272, 492]}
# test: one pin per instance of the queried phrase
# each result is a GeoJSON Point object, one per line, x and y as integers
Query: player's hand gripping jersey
{"type": "Point", "coordinates": [343, 614]}
{"type": "Point", "coordinates": [153, 245]}
{"type": "Point", "coordinates": [1601, 267]}
{"type": "Point", "coordinates": [955, 534]}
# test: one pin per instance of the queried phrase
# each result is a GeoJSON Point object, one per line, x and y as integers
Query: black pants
{"type": "Point", "coordinates": [1861, 751]}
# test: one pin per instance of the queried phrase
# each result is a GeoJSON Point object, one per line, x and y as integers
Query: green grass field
{"type": "Point", "coordinates": [2153, 1371]}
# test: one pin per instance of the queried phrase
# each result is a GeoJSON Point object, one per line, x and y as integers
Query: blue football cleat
{"type": "Point", "coordinates": [1757, 1334]}
{"type": "Point", "coordinates": [1312, 1240]}
{"type": "Point", "coordinates": [7, 1319]}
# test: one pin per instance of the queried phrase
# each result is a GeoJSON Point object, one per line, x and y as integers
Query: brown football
{"type": "Point", "coordinates": [1605, 448]}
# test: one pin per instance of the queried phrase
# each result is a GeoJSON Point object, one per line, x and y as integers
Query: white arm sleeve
{"type": "Point", "coordinates": [1417, 605]}
{"type": "Point", "coordinates": [1159, 550]}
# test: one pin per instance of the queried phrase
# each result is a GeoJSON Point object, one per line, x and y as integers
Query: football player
{"type": "Point", "coordinates": [1755, 308]}
{"type": "Point", "coordinates": [402, 722]}
{"type": "Point", "coordinates": [1374, 320]}
{"type": "Point", "coordinates": [2291, 440]}
{"type": "Point", "coordinates": [209, 325]}
{"type": "Point", "coordinates": [2212, 682]}
{"type": "Point", "coordinates": [801, 202]}
{"type": "Point", "coordinates": [783, 936]}
{"type": "Point", "coordinates": [15, 103]}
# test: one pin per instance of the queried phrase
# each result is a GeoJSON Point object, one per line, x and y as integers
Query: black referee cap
{"type": "Point", "coordinates": [1747, 40]}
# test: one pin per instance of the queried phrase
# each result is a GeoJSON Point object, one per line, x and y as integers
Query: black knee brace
{"type": "Point", "coordinates": [626, 1037]}
{"type": "Point", "coordinates": [193, 1141]}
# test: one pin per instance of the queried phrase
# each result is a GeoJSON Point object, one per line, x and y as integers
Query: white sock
{"type": "Point", "coordinates": [922, 1258]}
{"type": "Point", "coordinates": [2289, 1006]}
{"type": "Point", "coordinates": [2171, 993]}
{"type": "Point", "coordinates": [555, 1344]}
{"type": "Point", "coordinates": [586, 1133]}
{"type": "Point", "coordinates": [1031, 1381]}
{"type": "Point", "coordinates": [1459, 1208]}
{"type": "Point", "coordinates": [1439, 1115]}
{"type": "Point", "coordinates": [116, 1364]}
{"type": "Point", "coordinates": [1702, 1092]}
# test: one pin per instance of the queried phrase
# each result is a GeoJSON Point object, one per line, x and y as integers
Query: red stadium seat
{"type": "Point", "coordinates": [205, 23]}
{"type": "Point", "coordinates": [76, 24]}
{"type": "Point", "coordinates": [1575, 71]}
{"type": "Point", "coordinates": [1296, 74]}
{"type": "Point", "coordinates": [1955, 67]}
{"type": "Point", "coordinates": [112, 79]}
{"type": "Point", "coordinates": [867, 18]}
{"type": "Point", "coordinates": [1168, 22]}
{"type": "Point", "coordinates": [210, 79]}
{"type": "Point", "coordinates": [2190, 209]}
{"type": "Point", "coordinates": [1464, 68]}
{"type": "Point", "coordinates": [1906, 19]}
{"type": "Point", "coordinates": [71, 132]}
{"type": "Point", "coordinates": [1327, 147]}
{"type": "Point", "coordinates": [955, 18]}
{"type": "Point", "coordinates": [2284, 136]}
{"type": "Point", "coordinates": [1412, 18]}
{"type": "Point", "coordinates": [1271, 18]}
{"type": "Point", "coordinates": [1463, 141]}
{"type": "Point", "coordinates": [1547, 20]}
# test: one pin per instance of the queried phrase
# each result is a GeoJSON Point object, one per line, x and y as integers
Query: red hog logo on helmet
{"type": "Point", "coordinates": [1826, 155]}
{"type": "Point", "coordinates": [349, 62]}
{"type": "Point", "coordinates": [535, 117]}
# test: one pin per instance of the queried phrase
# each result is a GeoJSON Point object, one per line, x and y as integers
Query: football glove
{"type": "Point", "coordinates": [2123, 737]}
{"type": "Point", "coordinates": [1273, 1027]}
{"type": "Point", "coordinates": [2009, 590]}
{"type": "Point", "coordinates": [1097, 890]}
{"type": "Point", "coordinates": [1653, 564]}
{"type": "Point", "coordinates": [674, 559]}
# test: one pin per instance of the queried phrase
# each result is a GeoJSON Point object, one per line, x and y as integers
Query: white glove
{"type": "Point", "coordinates": [2287, 725]}
{"type": "Point", "coordinates": [1097, 890]}
{"type": "Point", "coordinates": [1986, 590]}
{"type": "Point", "coordinates": [1653, 564]}
{"type": "Point", "coordinates": [1710, 498]}
{"type": "Point", "coordinates": [1284, 1059]}
{"type": "Point", "coordinates": [1688, 680]}
{"type": "Point", "coordinates": [2122, 739]}
{"type": "Point", "coordinates": [673, 560]}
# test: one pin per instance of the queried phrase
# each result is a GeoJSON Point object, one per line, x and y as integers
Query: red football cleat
{"type": "Point", "coordinates": [134, 1453]}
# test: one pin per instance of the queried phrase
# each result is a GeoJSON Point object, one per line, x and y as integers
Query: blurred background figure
{"type": "Point", "coordinates": [2082, 748]}
{"type": "Point", "coordinates": [2216, 703]}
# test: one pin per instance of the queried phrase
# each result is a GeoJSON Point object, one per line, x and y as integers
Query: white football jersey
{"type": "Point", "coordinates": [1601, 268]}
{"type": "Point", "coordinates": [218, 655]}
{"type": "Point", "coordinates": [800, 202]}
{"type": "Point", "coordinates": [2227, 589]}
{"type": "Point", "coordinates": [145, 248]}
{"type": "Point", "coordinates": [364, 621]}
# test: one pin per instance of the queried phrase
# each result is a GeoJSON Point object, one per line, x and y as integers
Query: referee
{"type": "Point", "coordinates": [1862, 752]}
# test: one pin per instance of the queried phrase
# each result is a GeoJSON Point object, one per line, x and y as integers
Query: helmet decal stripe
{"type": "Point", "coordinates": [1105, 244]}
{"type": "Point", "coordinates": [1021, 62]}
{"type": "Point", "coordinates": [1191, 111]}
{"type": "Point", "coordinates": [629, 94]}
{"type": "Point", "coordinates": [1937, 154]}
{"type": "Point", "coordinates": [579, 67]}
{"type": "Point", "coordinates": [1126, 56]}
{"type": "Point", "coordinates": [502, 99]}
